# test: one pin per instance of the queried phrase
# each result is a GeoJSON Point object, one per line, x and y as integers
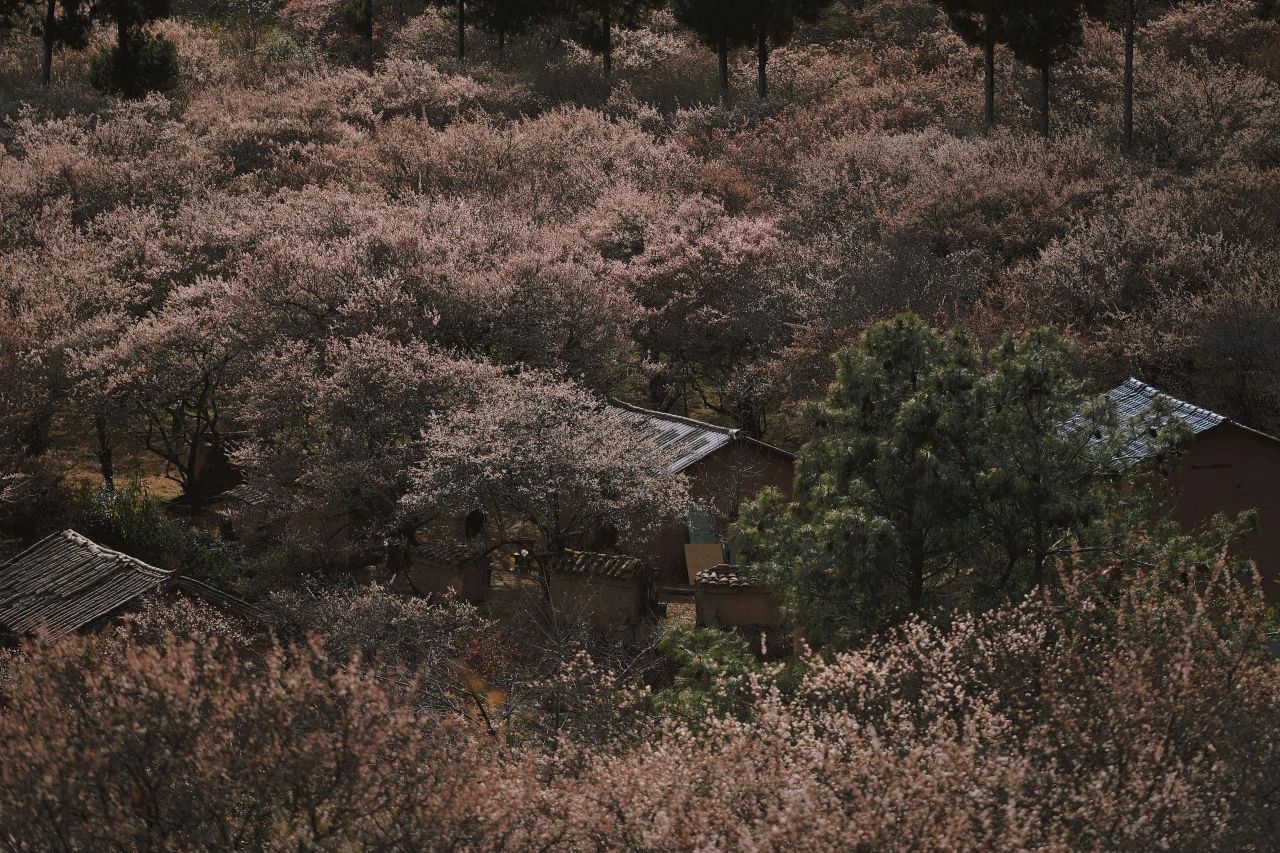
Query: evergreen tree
{"type": "Point", "coordinates": [505, 18]}
{"type": "Point", "coordinates": [723, 25]}
{"type": "Point", "coordinates": [774, 23]}
{"type": "Point", "coordinates": [140, 62]}
{"type": "Point", "coordinates": [982, 23]}
{"type": "Point", "coordinates": [595, 21]}
{"type": "Point", "coordinates": [59, 23]}
{"type": "Point", "coordinates": [936, 479]}
{"type": "Point", "coordinates": [1044, 33]}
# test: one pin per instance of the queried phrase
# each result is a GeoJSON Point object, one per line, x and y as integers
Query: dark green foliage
{"type": "Point", "coordinates": [149, 65]}
{"type": "Point", "coordinates": [130, 520]}
{"type": "Point", "coordinates": [937, 479]}
{"type": "Point", "coordinates": [59, 23]}
{"type": "Point", "coordinates": [504, 18]}
{"type": "Point", "coordinates": [593, 22]}
{"type": "Point", "coordinates": [139, 63]}
{"type": "Point", "coordinates": [713, 672]}
{"type": "Point", "coordinates": [1042, 34]}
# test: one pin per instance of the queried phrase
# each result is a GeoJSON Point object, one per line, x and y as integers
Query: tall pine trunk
{"type": "Point", "coordinates": [1045, 82]}
{"type": "Point", "coordinates": [762, 54]}
{"type": "Point", "coordinates": [989, 74]}
{"type": "Point", "coordinates": [462, 30]}
{"type": "Point", "coordinates": [50, 23]}
{"type": "Point", "coordinates": [366, 33]}
{"type": "Point", "coordinates": [104, 452]}
{"type": "Point", "coordinates": [606, 28]}
{"type": "Point", "coordinates": [1130, 24]}
{"type": "Point", "coordinates": [722, 51]}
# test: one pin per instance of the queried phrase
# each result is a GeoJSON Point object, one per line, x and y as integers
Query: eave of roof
{"type": "Point", "coordinates": [687, 440]}
{"type": "Point", "coordinates": [1133, 399]}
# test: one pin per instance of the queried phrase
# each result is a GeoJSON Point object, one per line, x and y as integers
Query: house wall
{"type": "Point", "coordinates": [726, 478]}
{"type": "Point", "coordinates": [469, 582]}
{"type": "Point", "coordinates": [600, 600]}
{"type": "Point", "coordinates": [1230, 469]}
{"type": "Point", "coordinates": [749, 610]}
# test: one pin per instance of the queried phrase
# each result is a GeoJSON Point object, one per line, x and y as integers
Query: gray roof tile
{"type": "Point", "coordinates": [66, 581]}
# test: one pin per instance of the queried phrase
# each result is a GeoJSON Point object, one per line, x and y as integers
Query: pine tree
{"type": "Point", "coordinates": [139, 62]}
{"type": "Point", "coordinates": [595, 21]}
{"type": "Point", "coordinates": [504, 18]}
{"type": "Point", "coordinates": [61, 23]}
{"type": "Point", "coordinates": [982, 23]}
{"type": "Point", "coordinates": [723, 25]}
{"type": "Point", "coordinates": [1042, 34]}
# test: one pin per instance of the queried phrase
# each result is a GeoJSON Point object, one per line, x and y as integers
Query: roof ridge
{"type": "Point", "coordinates": [110, 553]}
{"type": "Point", "coordinates": [658, 413]}
{"type": "Point", "coordinates": [1154, 391]}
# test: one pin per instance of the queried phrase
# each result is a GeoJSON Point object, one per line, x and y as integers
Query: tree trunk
{"type": "Point", "coordinates": [1130, 23]}
{"type": "Point", "coordinates": [104, 452]}
{"type": "Point", "coordinates": [989, 74]}
{"type": "Point", "coordinates": [366, 27]}
{"type": "Point", "coordinates": [462, 30]}
{"type": "Point", "coordinates": [1045, 82]}
{"type": "Point", "coordinates": [606, 27]}
{"type": "Point", "coordinates": [722, 49]}
{"type": "Point", "coordinates": [762, 53]}
{"type": "Point", "coordinates": [50, 23]}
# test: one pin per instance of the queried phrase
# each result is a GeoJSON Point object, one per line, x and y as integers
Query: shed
{"type": "Point", "coordinates": [724, 468]}
{"type": "Point", "coordinates": [727, 597]}
{"type": "Point", "coordinates": [443, 567]}
{"type": "Point", "coordinates": [605, 590]}
{"type": "Point", "coordinates": [66, 582]}
{"type": "Point", "coordinates": [1226, 467]}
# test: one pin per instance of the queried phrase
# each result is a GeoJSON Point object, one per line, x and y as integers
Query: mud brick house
{"type": "Point", "coordinates": [67, 583]}
{"type": "Point", "coordinates": [444, 567]}
{"type": "Point", "coordinates": [1226, 467]}
{"type": "Point", "coordinates": [725, 597]}
{"type": "Point", "coordinates": [724, 468]}
{"type": "Point", "coordinates": [604, 590]}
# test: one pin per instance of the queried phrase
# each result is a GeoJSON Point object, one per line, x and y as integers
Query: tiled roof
{"type": "Point", "coordinates": [248, 495]}
{"type": "Point", "coordinates": [1132, 401]}
{"type": "Point", "coordinates": [584, 563]}
{"type": "Point", "coordinates": [448, 553]}
{"type": "Point", "coordinates": [724, 575]}
{"type": "Point", "coordinates": [65, 582]}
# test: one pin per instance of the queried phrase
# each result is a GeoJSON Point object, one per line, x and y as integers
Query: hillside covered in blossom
{"type": "Point", "coordinates": [294, 291]}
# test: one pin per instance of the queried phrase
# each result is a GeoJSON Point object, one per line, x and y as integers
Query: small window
{"type": "Point", "coordinates": [473, 524]}
{"type": "Point", "coordinates": [702, 525]}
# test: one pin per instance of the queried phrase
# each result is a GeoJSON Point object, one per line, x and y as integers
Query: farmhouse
{"type": "Point", "coordinates": [724, 468]}
{"type": "Point", "coordinates": [67, 582]}
{"type": "Point", "coordinates": [1226, 467]}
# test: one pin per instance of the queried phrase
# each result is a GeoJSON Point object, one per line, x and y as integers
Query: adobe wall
{"type": "Point", "coordinates": [1230, 469]}
{"type": "Point", "coordinates": [600, 600]}
{"type": "Point", "coordinates": [749, 610]}
{"type": "Point", "coordinates": [469, 582]}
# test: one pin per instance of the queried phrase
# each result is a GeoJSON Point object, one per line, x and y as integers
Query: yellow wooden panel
{"type": "Point", "coordinates": [698, 557]}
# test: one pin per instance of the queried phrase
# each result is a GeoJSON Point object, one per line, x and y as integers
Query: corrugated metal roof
{"type": "Point", "coordinates": [66, 581]}
{"type": "Point", "coordinates": [683, 440]}
{"type": "Point", "coordinates": [585, 563]}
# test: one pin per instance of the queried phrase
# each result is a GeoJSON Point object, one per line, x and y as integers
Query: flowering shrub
{"type": "Point", "coordinates": [1133, 707]}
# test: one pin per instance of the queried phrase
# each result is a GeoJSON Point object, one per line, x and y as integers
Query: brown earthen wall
{"type": "Point", "coordinates": [1230, 469]}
